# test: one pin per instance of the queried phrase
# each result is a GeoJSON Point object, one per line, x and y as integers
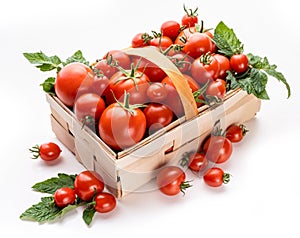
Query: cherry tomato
{"type": "Point", "coordinates": [182, 62]}
{"type": "Point", "coordinates": [87, 184]}
{"type": "Point", "coordinates": [224, 65]}
{"type": "Point", "coordinates": [64, 196]}
{"type": "Point", "coordinates": [105, 202]}
{"type": "Point", "coordinates": [205, 68]}
{"type": "Point", "coordinates": [105, 67]}
{"type": "Point", "coordinates": [162, 42]}
{"type": "Point", "coordinates": [157, 92]}
{"type": "Point", "coordinates": [217, 149]}
{"type": "Point", "coordinates": [194, 86]}
{"type": "Point", "coordinates": [197, 162]}
{"type": "Point", "coordinates": [140, 40]}
{"type": "Point", "coordinates": [170, 29]}
{"type": "Point", "coordinates": [47, 151]}
{"type": "Point", "coordinates": [235, 133]}
{"type": "Point", "coordinates": [216, 88]}
{"type": "Point", "coordinates": [190, 18]}
{"type": "Point", "coordinates": [119, 57]}
{"type": "Point", "coordinates": [157, 116]}
{"type": "Point", "coordinates": [215, 177]}
{"type": "Point", "coordinates": [239, 63]}
{"type": "Point", "coordinates": [100, 86]}
{"type": "Point", "coordinates": [69, 80]}
{"type": "Point", "coordinates": [173, 100]}
{"type": "Point", "coordinates": [89, 106]}
{"type": "Point", "coordinates": [122, 126]}
{"type": "Point", "coordinates": [171, 180]}
{"type": "Point", "coordinates": [182, 37]}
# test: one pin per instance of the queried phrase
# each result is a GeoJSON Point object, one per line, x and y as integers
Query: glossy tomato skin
{"type": "Point", "coordinates": [173, 100]}
{"type": "Point", "coordinates": [194, 86]}
{"type": "Point", "coordinates": [157, 116]}
{"type": "Point", "coordinates": [162, 42]}
{"type": "Point", "coordinates": [105, 202]}
{"type": "Point", "coordinates": [104, 67]}
{"type": "Point", "coordinates": [215, 177]}
{"type": "Point", "coordinates": [140, 40]}
{"type": "Point", "coordinates": [157, 92]}
{"type": "Point", "coordinates": [239, 63]}
{"type": "Point", "coordinates": [170, 29]}
{"type": "Point", "coordinates": [224, 65]}
{"type": "Point", "coordinates": [100, 86]}
{"type": "Point", "coordinates": [121, 129]}
{"type": "Point", "coordinates": [217, 149]}
{"type": "Point", "coordinates": [216, 88]}
{"type": "Point", "coordinates": [189, 21]}
{"type": "Point", "coordinates": [49, 151]}
{"type": "Point", "coordinates": [182, 61]}
{"type": "Point", "coordinates": [235, 133]}
{"type": "Point", "coordinates": [89, 105]}
{"type": "Point", "coordinates": [64, 196]}
{"type": "Point", "coordinates": [119, 58]}
{"type": "Point", "coordinates": [87, 184]}
{"type": "Point", "coordinates": [197, 162]}
{"type": "Point", "coordinates": [70, 79]}
{"type": "Point", "coordinates": [170, 179]}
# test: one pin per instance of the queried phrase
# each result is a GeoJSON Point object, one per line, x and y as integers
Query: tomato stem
{"type": "Point", "coordinates": [184, 185]}
{"type": "Point", "coordinates": [226, 178]}
{"type": "Point", "coordinates": [35, 150]}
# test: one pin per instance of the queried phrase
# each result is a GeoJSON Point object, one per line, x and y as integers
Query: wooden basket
{"type": "Point", "coordinates": [129, 170]}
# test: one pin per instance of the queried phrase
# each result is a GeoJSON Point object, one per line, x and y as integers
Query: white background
{"type": "Point", "coordinates": [263, 196]}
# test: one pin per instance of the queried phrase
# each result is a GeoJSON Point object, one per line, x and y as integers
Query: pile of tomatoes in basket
{"type": "Point", "coordinates": [126, 98]}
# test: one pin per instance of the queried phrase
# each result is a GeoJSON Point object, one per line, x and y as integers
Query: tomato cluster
{"type": "Point", "coordinates": [125, 98]}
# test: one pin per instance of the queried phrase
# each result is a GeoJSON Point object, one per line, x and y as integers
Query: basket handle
{"type": "Point", "coordinates": [181, 85]}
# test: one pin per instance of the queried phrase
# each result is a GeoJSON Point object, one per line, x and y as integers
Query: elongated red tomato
{"type": "Point", "coordinates": [217, 149]}
{"type": "Point", "coordinates": [47, 151]}
{"type": "Point", "coordinates": [215, 177]}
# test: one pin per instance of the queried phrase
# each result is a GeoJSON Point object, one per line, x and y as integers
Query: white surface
{"type": "Point", "coordinates": [263, 197]}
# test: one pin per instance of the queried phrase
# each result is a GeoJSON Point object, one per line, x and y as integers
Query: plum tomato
{"type": "Point", "coordinates": [197, 162]}
{"type": "Point", "coordinates": [215, 177]}
{"type": "Point", "coordinates": [235, 133]}
{"type": "Point", "coordinates": [46, 151]}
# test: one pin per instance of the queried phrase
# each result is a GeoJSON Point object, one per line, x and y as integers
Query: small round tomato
{"type": "Point", "coordinates": [170, 29]}
{"type": "Point", "coordinates": [122, 125]}
{"type": "Point", "coordinates": [157, 116]}
{"type": "Point", "coordinates": [162, 42]}
{"type": "Point", "coordinates": [182, 62]}
{"type": "Point", "coordinates": [100, 85]}
{"type": "Point", "coordinates": [239, 63]}
{"type": "Point", "coordinates": [105, 202]}
{"type": "Point", "coordinates": [235, 133]}
{"type": "Point", "coordinates": [64, 196]}
{"type": "Point", "coordinates": [157, 92]}
{"type": "Point", "coordinates": [217, 149]}
{"type": "Point", "coordinates": [215, 177]}
{"type": "Point", "coordinates": [216, 88]}
{"type": "Point", "coordinates": [119, 58]}
{"type": "Point", "coordinates": [197, 162]}
{"type": "Point", "coordinates": [224, 65]}
{"type": "Point", "coordinates": [47, 151]}
{"type": "Point", "coordinates": [105, 67]}
{"type": "Point", "coordinates": [140, 40]}
{"type": "Point", "coordinates": [190, 18]}
{"type": "Point", "coordinates": [171, 180]}
{"type": "Point", "coordinates": [89, 106]}
{"type": "Point", "coordinates": [69, 80]}
{"type": "Point", "coordinates": [87, 184]}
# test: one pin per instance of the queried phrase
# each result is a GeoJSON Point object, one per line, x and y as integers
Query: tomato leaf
{"type": "Point", "coordinates": [76, 57]}
{"type": "Point", "coordinates": [48, 85]}
{"type": "Point", "coordinates": [226, 40]}
{"type": "Point", "coordinates": [262, 64]}
{"type": "Point", "coordinates": [45, 211]}
{"type": "Point", "coordinates": [88, 214]}
{"type": "Point", "coordinates": [43, 62]}
{"type": "Point", "coordinates": [52, 184]}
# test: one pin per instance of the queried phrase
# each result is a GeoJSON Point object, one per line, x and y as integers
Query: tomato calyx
{"type": "Point", "coordinates": [126, 105]}
{"type": "Point", "coordinates": [190, 12]}
{"type": "Point", "coordinates": [35, 150]}
{"type": "Point", "coordinates": [184, 185]}
{"type": "Point", "coordinates": [206, 59]}
{"type": "Point", "coordinates": [88, 121]}
{"type": "Point", "coordinates": [226, 178]}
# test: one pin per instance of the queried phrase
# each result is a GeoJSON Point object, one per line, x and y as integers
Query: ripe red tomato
{"type": "Point", "coordinates": [182, 37]}
{"type": "Point", "coordinates": [216, 88]}
{"type": "Point", "coordinates": [173, 100]}
{"type": "Point", "coordinates": [182, 61]}
{"type": "Point", "coordinates": [119, 58]}
{"type": "Point", "coordinates": [88, 108]}
{"type": "Point", "coordinates": [105, 67]}
{"type": "Point", "coordinates": [87, 184]}
{"type": "Point", "coordinates": [239, 63]}
{"type": "Point", "coordinates": [157, 116]}
{"type": "Point", "coordinates": [215, 177]}
{"type": "Point", "coordinates": [235, 133]}
{"type": "Point", "coordinates": [190, 18]}
{"type": "Point", "coordinates": [100, 86]}
{"type": "Point", "coordinates": [224, 65]}
{"type": "Point", "coordinates": [121, 126]}
{"type": "Point", "coordinates": [205, 68]}
{"type": "Point", "coordinates": [217, 149]}
{"type": "Point", "coordinates": [140, 40]}
{"type": "Point", "coordinates": [170, 29]}
{"type": "Point", "coordinates": [157, 92]}
{"type": "Point", "coordinates": [105, 202]}
{"type": "Point", "coordinates": [69, 80]}
{"type": "Point", "coordinates": [47, 151]}
{"type": "Point", "coordinates": [171, 180]}
{"type": "Point", "coordinates": [194, 86]}
{"type": "Point", "coordinates": [197, 162]}
{"type": "Point", "coordinates": [162, 42]}
{"type": "Point", "coordinates": [64, 196]}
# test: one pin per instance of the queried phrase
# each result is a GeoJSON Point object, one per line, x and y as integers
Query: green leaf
{"type": "Point", "coordinates": [88, 214]}
{"type": "Point", "coordinates": [76, 57]}
{"type": "Point", "coordinates": [264, 65]}
{"type": "Point", "coordinates": [226, 40]}
{"type": "Point", "coordinates": [48, 85]}
{"type": "Point", "coordinates": [52, 184]}
{"type": "Point", "coordinates": [43, 62]}
{"type": "Point", "coordinates": [45, 211]}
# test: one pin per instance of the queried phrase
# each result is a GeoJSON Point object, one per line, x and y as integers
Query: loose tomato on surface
{"type": "Point", "coordinates": [122, 124]}
{"type": "Point", "coordinates": [215, 177]}
{"type": "Point", "coordinates": [224, 65]}
{"type": "Point", "coordinates": [64, 196]}
{"type": "Point", "coordinates": [239, 63]}
{"type": "Point", "coordinates": [87, 184]}
{"type": "Point", "coordinates": [157, 116]}
{"type": "Point", "coordinates": [190, 18]}
{"type": "Point", "coordinates": [46, 151]}
{"type": "Point", "coordinates": [235, 133]}
{"type": "Point", "coordinates": [217, 149]}
{"type": "Point", "coordinates": [88, 108]}
{"type": "Point", "coordinates": [105, 202]}
{"type": "Point", "coordinates": [70, 79]}
{"type": "Point", "coordinates": [216, 88]}
{"type": "Point", "coordinates": [197, 162]}
{"type": "Point", "coordinates": [170, 29]}
{"type": "Point", "coordinates": [171, 180]}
